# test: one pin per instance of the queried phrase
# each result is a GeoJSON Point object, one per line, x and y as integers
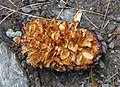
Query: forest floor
{"type": "Point", "coordinates": [102, 16]}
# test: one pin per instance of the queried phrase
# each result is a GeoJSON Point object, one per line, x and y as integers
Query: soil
{"type": "Point", "coordinates": [106, 74]}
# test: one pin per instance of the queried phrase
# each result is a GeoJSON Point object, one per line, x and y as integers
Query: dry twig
{"type": "Point", "coordinates": [104, 26]}
{"type": "Point", "coordinates": [60, 13]}
{"type": "Point", "coordinates": [34, 4]}
{"type": "Point", "coordinates": [91, 22]}
{"type": "Point", "coordinates": [62, 9]}
{"type": "Point", "coordinates": [13, 3]}
{"type": "Point", "coordinates": [87, 78]}
{"type": "Point", "coordinates": [92, 12]}
{"type": "Point", "coordinates": [112, 76]}
{"type": "Point", "coordinates": [6, 17]}
{"type": "Point", "coordinates": [14, 11]}
{"type": "Point", "coordinates": [113, 82]}
{"type": "Point", "coordinates": [105, 15]}
{"type": "Point", "coordinates": [1, 9]}
{"type": "Point", "coordinates": [54, 75]}
{"type": "Point", "coordinates": [109, 78]}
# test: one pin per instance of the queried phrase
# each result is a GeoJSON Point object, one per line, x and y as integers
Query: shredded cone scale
{"type": "Point", "coordinates": [59, 45]}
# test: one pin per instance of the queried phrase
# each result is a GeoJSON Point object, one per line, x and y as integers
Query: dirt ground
{"type": "Point", "coordinates": [102, 16]}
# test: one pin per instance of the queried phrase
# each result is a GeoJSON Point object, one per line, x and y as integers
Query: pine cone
{"type": "Point", "coordinates": [58, 45]}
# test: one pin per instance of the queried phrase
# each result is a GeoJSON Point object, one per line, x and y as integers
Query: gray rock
{"type": "Point", "coordinates": [83, 85]}
{"type": "Point", "coordinates": [43, 13]}
{"type": "Point", "coordinates": [72, 0]}
{"type": "Point", "coordinates": [111, 28]}
{"type": "Point", "coordinates": [109, 35]}
{"type": "Point", "coordinates": [98, 58]}
{"type": "Point", "coordinates": [100, 37]}
{"type": "Point", "coordinates": [10, 33]}
{"type": "Point", "coordinates": [37, 14]}
{"type": "Point", "coordinates": [117, 19]}
{"type": "Point", "coordinates": [28, 1]}
{"type": "Point", "coordinates": [118, 80]}
{"type": "Point", "coordinates": [118, 51]}
{"type": "Point", "coordinates": [102, 65]}
{"type": "Point", "coordinates": [42, 0]}
{"type": "Point", "coordinates": [62, 3]}
{"type": "Point", "coordinates": [60, 85]}
{"type": "Point", "coordinates": [112, 51]}
{"type": "Point", "coordinates": [115, 60]}
{"type": "Point", "coordinates": [11, 75]}
{"type": "Point", "coordinates": [18, 33]}
{"type": "Point", "coordinates": [67, 14]}
{"type": "Point", "coordinates": [88, 84]}
{"type": "Point", "coordinates": [35, 8]}
{"type": "Point", "coordinates": [44, 7]}
{"type": "Point", "coordinates": [111, 45]}
{"type": "Point", "coordinates": [102, 75]}
{"type": "Point", "coordinates": [111, 38]}
{"type": "Point", "coordinates": [26, 9]}
{"type": "Point", "coordinates": [105, 85]}
{"type": "Point", "coordinates": [85, 23]}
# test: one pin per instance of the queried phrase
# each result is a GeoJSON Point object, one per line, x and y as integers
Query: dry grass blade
{"type": "Point", "coordinates": [34, 4]}
{"type": "Point", "coordinates": [110, 78]}
{"type": "Point", "coordinates": [60, 13]}
{"type": "Point", "coordinates": [94, 82]}
{"type": "Point", "coordinates": [113, 82]}
{"type": "Point", "coordinates": [30, 15]}
{"type": "Point", "coordinates": [13, 11]}
{"type": "Point", "coordinates": [54, 75]}
{"type": "Point", "coordinates": [62, 9]}
{"type": "Point", "coordinates": [105, 26]}
{"type": "Point", "coordinates": [12, 3]}
{"type": "Point", "coordinates": [89, 77]}
{"type": "Point", "coordinates": [24, 6]}
{"type": "Point", "coordinates": [92, 12]}
{"type": "Point", "coordinates": [1, 9]}
{"type": "Point", "coordinates": [7, 8]}
{"type": "Point", "coordinates": [91, 22]}
{"type": "Point", "coordinates": [6, 17]}
{"type": "Point", "coordinates": [64, 1]}
{"type": "Point", "coordinates": [105, 15]}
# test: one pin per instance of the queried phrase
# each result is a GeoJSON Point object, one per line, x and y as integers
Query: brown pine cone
{"type": "Point", "coordinates": [59, 45]}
